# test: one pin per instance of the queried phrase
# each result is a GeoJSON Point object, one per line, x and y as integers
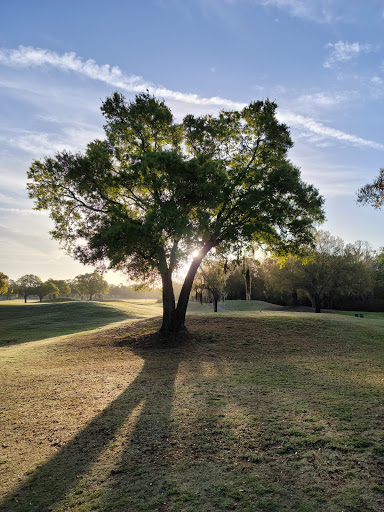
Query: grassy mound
{"type": "Point", "coordinates": [270, 412]}
{"type": "Point", "coordinates": [35, 321]}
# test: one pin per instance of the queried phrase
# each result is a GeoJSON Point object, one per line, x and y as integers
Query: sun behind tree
{"type": "Point", "coordinates": [155, 190]}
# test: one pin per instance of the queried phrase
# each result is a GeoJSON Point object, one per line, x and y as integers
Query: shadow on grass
{"type": "Point", "coordinates": [24, 323]}
{"type": "Point", "coordinates": [151, 393]}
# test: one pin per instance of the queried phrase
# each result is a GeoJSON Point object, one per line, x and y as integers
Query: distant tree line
{"type": "Point", "coordinates": [332, 275]}
{"type": "Point", "coordinates": [84, 286]}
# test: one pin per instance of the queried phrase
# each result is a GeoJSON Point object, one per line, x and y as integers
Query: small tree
{"type": "Point", "coordinates": [4, 283]}
{"type": "Point", "coordinates": [213, 277]}
{"type": "Point", "coordinates": [27, 285]}
{"type": "Point", "coordinates": [281, 280]}
{"type": "Point", "coordinates": [323, 273]}
{"type": "Point", "coordinates": [12, 290]}
{"type": "Point", "coordinates": [47, 288]}
{"type": "Point", "coordinates": [154, 191]}
{"type": "Point", "coordinates": [91, 284]}
{"type": "Point", "coordinates": [63, 288]}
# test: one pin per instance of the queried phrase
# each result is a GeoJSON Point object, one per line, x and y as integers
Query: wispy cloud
{"type": "Point", "coordinates": [319, 11]}
{"type": "Point", "coordinates": [36, 57]}
{"type": "Point", "coordinates": [312, 126]}
{"type": "Point", "coordinates": [27, 56]}
{"type": "Point", "coordinates": [343, 51]}
{"type": "Point", "coordinates": [23, 211]}
{"type": "Point", "coordinates": [326, 99]}
{"type": "Point", "coordinates": [40, 143]}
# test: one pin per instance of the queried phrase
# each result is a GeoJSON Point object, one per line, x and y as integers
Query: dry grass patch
{"type": "Point", "coordinates": [281, 412]}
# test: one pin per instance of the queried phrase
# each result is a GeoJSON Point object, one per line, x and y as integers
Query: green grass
{"type": "Point", "coordinates": [255, 411]}
{"type": "Point", "coordinates": [372, 315]}
{"type": "Point", "coordinates": [249, 305]}
{"type": "Point", "coordinates": [233, 306]}
{"type": "Point", "coordinates": [33, 321]}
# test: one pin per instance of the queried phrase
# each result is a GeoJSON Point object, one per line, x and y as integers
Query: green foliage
{"type": "Point", "coordinates": [152, 181]}
{"type": "Point", "coordinates": [47, 288]}
{"type": "Point", "coordinates": [28, 285]}
{"type": "Point", "coordinates": [212, 277]}
{"type": "Point", "coordinates": [4, 283]}
{"type": "Point", "coordinates": [91, 284]}
{"type": "Point", "coordinates": [331, 274]}
{"type": "Point", "coordinates": [373, 193]}
{"type": "Point", "coordinates": [63, 287]}
{"type": "Point", "coordinates": [154, 190]}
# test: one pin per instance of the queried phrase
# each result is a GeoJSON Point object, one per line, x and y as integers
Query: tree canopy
{"type": "Point", "coordinates": [373, 193]}
{"type": "Point", "coordinates": [154, 190]}
{"type": "Point", "coordinates": [47, 288]}
{"type": "Point", "coordinates": [91, 284]}
{"type": "Point", "coordinates": [4, 283]}
{"type": "Point", "coordinates": [27, 285]}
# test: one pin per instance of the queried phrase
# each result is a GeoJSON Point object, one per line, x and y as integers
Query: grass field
{"type": "Point", "coordinates": [33, 321]}
{"type": "Point", "coordinates": [251, 410]}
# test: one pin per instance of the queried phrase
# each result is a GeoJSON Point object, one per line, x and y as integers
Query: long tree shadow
{"type": "Point", "coordinates": [153, 389]}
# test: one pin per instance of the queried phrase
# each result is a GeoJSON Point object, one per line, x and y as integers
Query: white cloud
{"type": "Point", "coordinates": [47, 143]}
{"type": "Point", "coordinates": [319, 11]}
{"type": "Point", "coordinates": [376, 80]}
{"type": "Point", "coordinates": [27, 56]}
{"type": "Point", "coordinates": [70, 138]}
{"type": "Point", "coordinates": [344, 51]}
{"type": "Point", "coordinates": [312, 126]}
{"type": "Point", "coordinates": [23, 211]}
{"type": "Point", "coordinates": [326, 99]}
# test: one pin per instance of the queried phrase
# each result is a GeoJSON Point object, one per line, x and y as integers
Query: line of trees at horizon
{"type": "Point", "coordinates": [30, 285]}
{"type": "Point", "coordinates": [90, 285]}
{"type": "Point", "coordinates": [333, 275]}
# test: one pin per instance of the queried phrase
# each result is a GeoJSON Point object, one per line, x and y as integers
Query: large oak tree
{"type": "Point", "coordinates": [155, 190]}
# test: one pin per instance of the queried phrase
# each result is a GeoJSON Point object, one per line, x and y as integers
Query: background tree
{"type": "Point", "coordinates": [249, 270]}
{"type": "Point", "coordinates": [324, 271]}
{"type": "Point", "coordinates": [155, 191]}
{"type": "Point", "coordinates": [282, 280]}
{"type": "Point", "coordinates": [27, 285]}
{"type": "Point", "coordinates": [91, 285]}
{"type": "Point", "coordinates": [358, 284]}
{"type": "Point", "coordinates": [212, 276]}
{"type": "Point", "coordinates": [4, 283]}
{"type": "Point", "coordinates": [63, 287]}
{"type": "Point", "coordinates": [12, 290]}
{"type": "Point", "coordinates": [377, 274]}
{"type": "Point", "coordinates": [373, 193]}
{"type": "Point", "coordinates": [47, 288]}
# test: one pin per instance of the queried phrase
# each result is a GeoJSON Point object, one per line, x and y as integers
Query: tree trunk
{"type": "Point", "coordinates": [316, 302]}
{"type": "Point", "coordinates": [174, 318]}
{"type": "Point", "coordinates": [248, 285]}
{"type": "Point", "coordinates": [168, 302]}
{"type": "Point", "coordinates": [215, 304]}
{"type": "Point", "coordinates": [25, 299]}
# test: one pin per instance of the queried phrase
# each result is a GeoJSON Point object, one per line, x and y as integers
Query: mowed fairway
{"type": "Point", "coordinates": [249, 411]}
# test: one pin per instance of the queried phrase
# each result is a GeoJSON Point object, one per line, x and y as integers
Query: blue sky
{"type": "Point", "coordinates": [322, 61]}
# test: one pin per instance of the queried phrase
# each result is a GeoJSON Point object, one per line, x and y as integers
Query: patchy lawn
{"type": "Point", "coordinates": [271, 412]}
